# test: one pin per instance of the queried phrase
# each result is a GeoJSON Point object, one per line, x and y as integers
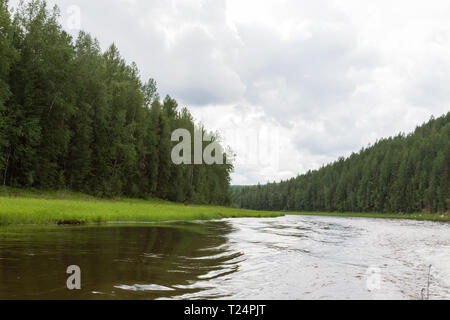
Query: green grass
{"type": "Point", "coordinates": [39, 208]}
{"type": "Point", "coordinates": [33, 207]}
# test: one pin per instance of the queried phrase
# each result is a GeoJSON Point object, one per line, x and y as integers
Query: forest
{"type": "Point", "coordinates": [77, 118]}
{"type": "Point", "coordinates": [401, 174]}
{"type": "Point", "coordinates": [74, 117]}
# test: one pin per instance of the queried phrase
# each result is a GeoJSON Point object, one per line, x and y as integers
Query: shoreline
{"type": "Point", "coordinates": [412, 216]}
{"type": "Point", "coordinates": [31, 207]}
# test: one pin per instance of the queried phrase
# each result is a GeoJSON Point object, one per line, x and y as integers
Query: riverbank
{"type": "Point", "coordinates": [413, 216]}
{"type": "Point", "coordinates": [28, 207]}
{"type": "Point", "coordinates": [32, 207]}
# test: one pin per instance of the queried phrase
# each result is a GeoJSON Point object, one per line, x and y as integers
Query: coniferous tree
{"type": "Point", "coordinates": [74, 117]}
{"type": "Point", "coordinates": [404, 174]}
{"type": "Point", "coordinates": [8, 55]}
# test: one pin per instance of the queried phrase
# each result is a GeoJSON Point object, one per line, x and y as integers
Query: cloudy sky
{"type": "Point", "coordinates": [290, 84]}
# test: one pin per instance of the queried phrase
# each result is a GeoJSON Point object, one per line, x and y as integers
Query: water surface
{"type": "Point", "coordinates": [291, 257]}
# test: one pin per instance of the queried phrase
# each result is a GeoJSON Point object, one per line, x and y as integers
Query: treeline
{"type": "Point", "coordinates": [75, 117]}
{"type": "Point", "coordinates": [402, 174]}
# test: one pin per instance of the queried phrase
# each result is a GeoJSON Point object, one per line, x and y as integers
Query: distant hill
{"type": "Point", "coordinates": [403, 174]}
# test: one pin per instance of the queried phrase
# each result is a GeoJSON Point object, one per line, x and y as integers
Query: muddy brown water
{"type": "Point", "coordinates": [291, 257]}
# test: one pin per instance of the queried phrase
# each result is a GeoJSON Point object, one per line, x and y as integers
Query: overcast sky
{"type": "Point", "coordinates": [290, 84]}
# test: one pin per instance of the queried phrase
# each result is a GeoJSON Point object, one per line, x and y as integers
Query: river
{"type": "Point", "coordinates": [290, 257]}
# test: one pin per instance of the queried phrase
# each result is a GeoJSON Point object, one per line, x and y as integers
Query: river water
{"type": "Point", "coordinates": [291, 257]}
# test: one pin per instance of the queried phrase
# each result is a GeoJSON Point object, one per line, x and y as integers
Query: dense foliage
{"type": "Point", "coordinates": [404, 174]}
{"type": "Point", "coordinates": [74, 117]}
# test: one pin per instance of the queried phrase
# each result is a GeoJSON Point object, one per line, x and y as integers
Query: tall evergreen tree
{"type": "Point", "coordinates": [8, 56]}
{"type": "Point", "coordinates": [404, 174]}
{"type": "Point", "coordinates": [74, 117]}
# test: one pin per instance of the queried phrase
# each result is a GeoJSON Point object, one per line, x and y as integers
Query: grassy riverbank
{"type": "Point", "coordinates": [19, 206]}
{"type": "Point", "coordinates": [33, 207]}
{"type": "Point", "coordinates": [414, 216]}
